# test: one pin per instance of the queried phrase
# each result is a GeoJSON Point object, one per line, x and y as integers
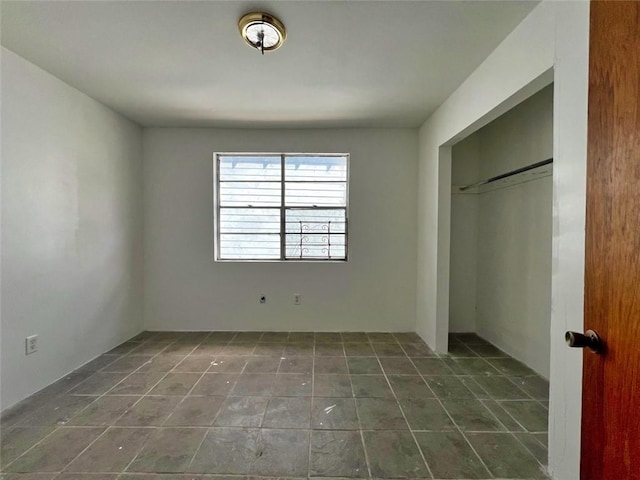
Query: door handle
{"type": "Point", "coordinates": [589, 339]}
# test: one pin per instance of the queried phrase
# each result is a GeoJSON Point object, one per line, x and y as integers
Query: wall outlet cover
{"type": "Point", "coordinates": [31, 344]}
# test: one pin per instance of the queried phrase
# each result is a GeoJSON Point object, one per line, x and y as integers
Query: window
{"type": "Point", "coordinates": [281, 206]}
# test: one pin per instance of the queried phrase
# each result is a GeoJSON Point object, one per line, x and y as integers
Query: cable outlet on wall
{"type": "Point", "coordinates": [297, 299]}
{"type": "Point", "coordinates": [31, 345]}
{"type": "Point", "coordinates": [263, 299]}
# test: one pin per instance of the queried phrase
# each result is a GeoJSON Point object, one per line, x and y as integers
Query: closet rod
{"type": "Point", "coordinates": [508, 174]}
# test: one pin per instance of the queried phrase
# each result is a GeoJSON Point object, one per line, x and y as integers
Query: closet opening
{"type": "Point", "coordinates": [501, 264]}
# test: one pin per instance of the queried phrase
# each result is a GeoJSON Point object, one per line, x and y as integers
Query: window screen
{"type": "Point", "coordinates": [281, 206]}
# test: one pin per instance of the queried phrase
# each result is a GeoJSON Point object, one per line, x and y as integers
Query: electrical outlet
{"type": "Point", "coordinates": [31, 345]}
{"type": "Point", "coordinates": [263, 299]}
{"type": "Point", "coordinates": [297, 299]}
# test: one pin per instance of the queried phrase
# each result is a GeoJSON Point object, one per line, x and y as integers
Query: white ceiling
{"type": "Point", "coordinates": [183, 63]}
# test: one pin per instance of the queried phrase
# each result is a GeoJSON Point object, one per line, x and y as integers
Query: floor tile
{"type": "Point", "coordinates": [381, 337]}
{"type": "Point", "coordinates": [195, 411]}
{"type": "Point", "coordinates": [409, 386]}
{"type": "Point", "coordinates": [17, 440]}
{"type": "Point", "coordinates": [534, 385]}
{"type": "Point", "coordinates": [283, 405]}
{"type": "Point", "coordinates": [426, 414]}
{"type": "Point", "coordinates": [56, 451]}
{"type": "Point", "coordinates": [337, 454]}
{"type": "Point", "coordinates": [500, 388]}
{"type": "Point", "coordinates": [227, 364]}
{"type": "Point", "coordinates": [239, 349]}
{"type": "Point", "coordinates": [215, 384]}
{"type": "Point", "coordinates": [358, 350]}
{"type": "Point", "coordinates": [511, 367]}
{"type": "Point", "coordinates": [150, 411]}
{"type": "Point", "coordinates": [370, 386]}
{"type": "Point", "coordinates": [471, 415]}
{"type": "Point", "coordinates": [528, 413]}
{"type": "Point", "coordinates": [207, 350]}
{"type": "Point", "coordinates": [59, 411]}
{"type": "Point", "coordinates": [301, 337]}
{"type": "Point", "coordinates": [394, 455]}
{"type": "Point", "coordinates": [112, 452]}
{"type": "Point", "coordinates": [505, 456]}
{"type": "Point", "coordinates": [364, 366]}
{"type": "Point", "coordinates": [194, 364]}
{"type": "Point", "coordinates": [293, 385]}
{"type": "Point", "coordinates": [329, 350]}
{"type": "Point", "coordinates": [288, 412]}
{"type": "Point", "coordinates": [262, 365]}
{"type": "Point", "coordinates": [470, 338]}
{"type": "Point", "coordinates": [330, 365]}
{"type": "Point", "coordinates": [460, 351]}
{"type": "Point", "coordinates": [124, 348]}
{"type": "Point", "coordinates": [448, 387]}
{"type": "Point", "coordinates": [254, 384]}
{"type": "Point", "coordinates": [296, 365]}
{"type": "Point", "coordinates": [104, 411]}
{"type": "Point", "coordinates": [149, 348]}
{"type": "Point", "coordinates": [176, 384]}
{"type": "Point", "coordinates": [98, 383]}
{"type": "Point", "coordinates": [127, 364]}
{"type": "Point", "coordinates": [473, 366]}
{"type": "Point", "coordinates": [161, 363]}
{"type": "Point", "coordinates": [282, 453]}
{"type": "Point", "coordinates": [360, 337]}
{"type": "Point", "coordinates": [397, 366]}
{"type": "Point", "coordinates": [380, 414]}
{"type": "Point", "coordinates": [98, 363]}
{"type": "Point", "coordinates": [407, 337]}
{"type": "Point", "coordinates": [501, 414]}
{"type": "Point", "coordinates": [431, 366]}
{"type": "Point", "coordinates": [269, 349]}
{"type": "Point", "coordinates": [417, 350]}
{"type": "Point", "coordinates": [388, 349]}
{"type": "Point", "coordinates": [168, 450]}
{"type": "Point", "coordinates": [332, 386]}
{"type": "Point", "coordinates": [334, 414]}
{"type": "Point", "coordinates": [450, 456]}
{"type": "Point", "coordinates": [534, 446]}
{"type": "Point", "coordinates": [274, 337]}
{"type": "Point", "coordinates": [296, 349]}
{"type": "Point", "coordinates": [226, 451]}
{"type": "Point", "coordinates": [242, 412]}
{"type": "Point", "coordinates": [328, 337]}
{"type": "Point", "coordinates": [488, 351]}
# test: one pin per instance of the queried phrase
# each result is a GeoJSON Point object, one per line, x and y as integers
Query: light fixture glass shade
{"type": "Point", "coordinates": [262, 31]}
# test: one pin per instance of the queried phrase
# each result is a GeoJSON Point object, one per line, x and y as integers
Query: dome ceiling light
{"type": "Point", "coordinates": [262, 31]}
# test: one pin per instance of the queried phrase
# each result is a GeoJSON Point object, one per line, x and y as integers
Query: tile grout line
{"type": "Point", "coordinates": [68, 392]}
{"type": "Point", "coordinates": [355, 406]}
{"type": "Point", "coordinates": [453, 422]}
{"type": "Point", "coordinates": [415, 440]}
{"type": "Point", "coordinates": [313, 398]}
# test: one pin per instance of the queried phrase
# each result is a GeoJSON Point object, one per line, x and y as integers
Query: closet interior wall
{"type": "Point", "coordinates": [501, 235]}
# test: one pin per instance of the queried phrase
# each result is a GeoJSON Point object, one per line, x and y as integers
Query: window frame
{"type": "Point", "coordinates": [282, 207]}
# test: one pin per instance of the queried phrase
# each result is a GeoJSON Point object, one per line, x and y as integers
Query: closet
{"type": "Point", "coordinates": [501, 227]}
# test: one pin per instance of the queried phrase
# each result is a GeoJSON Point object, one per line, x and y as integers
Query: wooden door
{"type": "Point", "coordinates": [611, 381]}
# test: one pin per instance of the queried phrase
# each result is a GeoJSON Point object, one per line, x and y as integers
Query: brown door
{"type": "Point", "coordinates": [611, 382]}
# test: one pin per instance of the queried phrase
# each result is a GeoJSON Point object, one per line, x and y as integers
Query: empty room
{"type": "Point", "coordinates": [319, 239]}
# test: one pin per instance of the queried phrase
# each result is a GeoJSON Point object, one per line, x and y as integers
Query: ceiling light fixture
{"type": "Point", "coordinates": [262, 31]}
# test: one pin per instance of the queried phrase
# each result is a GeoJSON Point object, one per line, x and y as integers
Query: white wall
{"type": "Point", "coordinates": [463, 261]}
{"type": "Point", "coordinates": [71, 228]}
{"type": "Point", "coordinates": [554, 36]}
{"type": "Point", "coordinates": [186, 290]}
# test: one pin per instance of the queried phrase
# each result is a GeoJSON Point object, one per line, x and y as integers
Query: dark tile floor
{"type": "Point", "coordinates": [300, 405]}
